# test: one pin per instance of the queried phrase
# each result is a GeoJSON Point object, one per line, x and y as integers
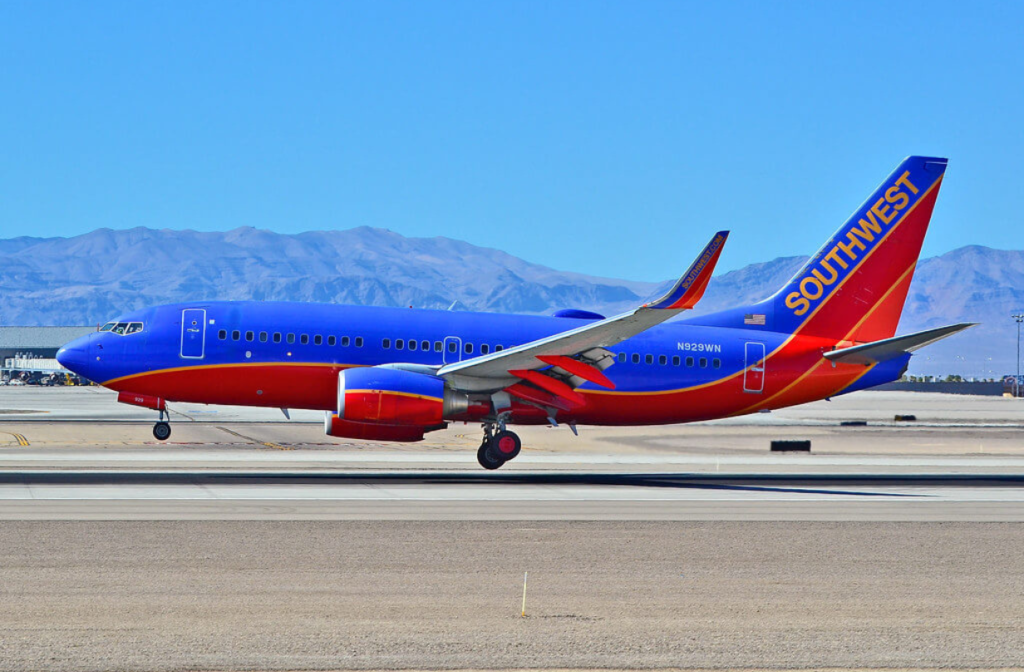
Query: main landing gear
{"type": "Point", "coordinates": [162, 429]}
{"type": "Point", "coordinates": [498, 447]}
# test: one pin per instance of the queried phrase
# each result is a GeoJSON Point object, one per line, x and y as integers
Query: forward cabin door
{"type": "Point", "coordinates": [193, 333]}
{"type": "Point", "coordinates": [753, 375]}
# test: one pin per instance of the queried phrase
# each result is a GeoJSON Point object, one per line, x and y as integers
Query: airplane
{"type": "Point", "coordinates": [396, 374]}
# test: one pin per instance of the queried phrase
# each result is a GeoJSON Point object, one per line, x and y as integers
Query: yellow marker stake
{"type": "Point", "coordinates": [525, 574]}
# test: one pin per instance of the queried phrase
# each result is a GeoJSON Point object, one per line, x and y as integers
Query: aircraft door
{"type": "Point", "coordinates": [753, 374]}
{"type": "Point", "coordinates": [193, 333]}
{"type": "Point", "coordinates": [452, 350]}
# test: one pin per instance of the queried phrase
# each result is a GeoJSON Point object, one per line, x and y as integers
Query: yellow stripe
{"type": "Point", "coordinates": [743, 371]}
{"type": "Point", "coordinates": [797, 331]}
{"type": "Point", "coordinates": [227, 366]}
{"type": "Point", "coordinates": [868, 256]}
{"type": "Point", "coordinates": [249, 438]}
{"type": "Point", "coordinates": [398, 394]}
{"type": "Point", "coordinates": [857, 326]}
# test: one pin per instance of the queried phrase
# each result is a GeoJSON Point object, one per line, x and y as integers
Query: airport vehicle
{"type": "Point", "coordinates": [393, 374]}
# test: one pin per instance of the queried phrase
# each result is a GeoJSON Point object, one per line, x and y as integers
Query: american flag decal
{"type": "Point", "coordinates": [756, 319]}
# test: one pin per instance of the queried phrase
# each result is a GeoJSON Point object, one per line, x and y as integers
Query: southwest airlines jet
{"type": "Point", "coordinates": [390, 374]}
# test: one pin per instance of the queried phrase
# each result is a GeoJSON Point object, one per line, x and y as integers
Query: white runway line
{"type": "Point", "coordinates": [507, 493]}
{"type": "Point", "coordinates": [103, 457]}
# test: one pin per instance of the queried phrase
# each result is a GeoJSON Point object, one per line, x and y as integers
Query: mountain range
{"type": "Point", "coordinates": [89, 278]}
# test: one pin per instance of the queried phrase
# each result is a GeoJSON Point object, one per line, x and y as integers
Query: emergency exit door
{"type": "Point", "coordinates": [753, 374]}
{"type": "Point", "coordinates": [193, 333]}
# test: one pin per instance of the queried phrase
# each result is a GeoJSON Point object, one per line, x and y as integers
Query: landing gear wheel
{"type": "Point", "coordinates": [483, 456]}
{"type": "Point", "coordinates": [505, 445]}
{"type": "Point", "coordinates": [162, 431]}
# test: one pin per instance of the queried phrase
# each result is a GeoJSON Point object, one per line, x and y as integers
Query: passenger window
{"type": "Point", "coordinates": [399, 344]}
{"type": "Point", "coordinates": [291, 338]}
{"type": "Point", "coordinates": [412, 344]}
{"type": "Point", "coordinates": [235, 335]}
{"type": "Point", "coordinates": [425, 345]}
{"type": "Point", "coordinates": [675, 360]}
{"type": "Point", "coordinates": [263, 337]}
{"type": "Point", "coordinates": [499, 348]}
{"type": "Point", "coordinates": [453, 346]}
{"type": "Point", "coordinates": [649, 359]}
{"type": "Point", "coordinates": [222, 334]}
{"type": "Point", "coordinates": [622, 357]}
{"type": "Point", "coordinates": [304, 339]}
{"type": "Point", "coordinates": [703, 362]}
{"type": "Point", "coordinates": [277, 337]}
{"type": "Point", "coordinates": [484, 349]}
{"type": "Point", "coordinates": [636, 358]}
{"type": "Point", "coordinates": [716, 362]}
{"type": "Point", "coordinates": [437, 346]}
{"type": "Point", "coordinates": [318, 340]}
{"type": "Point", "coordinates": [331, 341]}
{"type": "Point", "coordinates": [662, 359]}
{"type": "Point", "coordinates": [386, 343]}
{"type": "Point", "coordinates": [249, 336]}
{"type": "Point", "coordinates": [469, 348]}
{"type": "Point", "coordinates": [344, 341]}
{"type": "Point", "coordinates": [359, 341]}
{"type": "Point", "coordinates": [689, 361]}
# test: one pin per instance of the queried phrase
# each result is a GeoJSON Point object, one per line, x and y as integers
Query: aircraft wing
{"type": "Point", "coordinates": [578, 354]}
{"type": "Point", "coordinates": [880, 351]}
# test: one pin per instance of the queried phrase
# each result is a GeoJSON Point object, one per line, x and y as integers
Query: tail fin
{"type": "Point", "coordinates": [854, 288]}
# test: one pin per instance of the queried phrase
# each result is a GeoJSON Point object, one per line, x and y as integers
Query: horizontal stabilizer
{"type": "Point", "coordinates": [890, 348]}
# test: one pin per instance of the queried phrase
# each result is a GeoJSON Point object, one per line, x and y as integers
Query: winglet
{"type": "Point", "coordinates": [688, 291]}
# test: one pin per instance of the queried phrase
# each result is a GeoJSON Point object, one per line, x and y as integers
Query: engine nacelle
{"type": "Point", "coordinates": [371, 431]}
{"type": "Point", "coordinates": [396, 397]}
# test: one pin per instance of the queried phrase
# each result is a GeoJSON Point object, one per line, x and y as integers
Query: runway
{"type": "Point", "coordinates": [451, 495]}
{"type": "Point", "coordinates": [963, 460]}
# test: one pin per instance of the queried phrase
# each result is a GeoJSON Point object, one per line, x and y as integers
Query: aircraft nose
{"type": "Point", "coordinates": [75, 355]}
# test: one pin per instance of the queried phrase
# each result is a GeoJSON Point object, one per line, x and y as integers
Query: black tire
{"type": "Point", "coordinates": [162, 431]}
{"type": "Point", "coordinates": [483, 456]}
{"type": "Point", "coordinates": [505, 446]}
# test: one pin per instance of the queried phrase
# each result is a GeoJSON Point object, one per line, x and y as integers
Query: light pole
{"type": "Point", "coordinates": [1019, 317]}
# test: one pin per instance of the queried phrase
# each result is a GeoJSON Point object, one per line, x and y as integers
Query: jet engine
{"type": "Point", "coordinates": [392, 404]}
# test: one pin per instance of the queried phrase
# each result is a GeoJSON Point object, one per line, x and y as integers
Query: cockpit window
{"type": "Point", "coordinates": [122, 328]}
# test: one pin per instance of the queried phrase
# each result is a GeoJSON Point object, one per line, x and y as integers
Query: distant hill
{"type": "Point", "coordinates": [89, 278]}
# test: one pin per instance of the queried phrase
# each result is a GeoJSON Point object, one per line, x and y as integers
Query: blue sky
{"type": "Point", "coordinates": [605, 138]}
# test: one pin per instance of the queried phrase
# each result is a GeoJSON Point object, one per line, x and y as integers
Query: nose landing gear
{"type": "Point", "coordinates": [498, 448]}
{"type": "Point", "coordinates": [162, 429]}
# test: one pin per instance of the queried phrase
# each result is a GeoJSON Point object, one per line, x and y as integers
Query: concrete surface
{"type": "Point", "coordinates": [447, 595]}
{"type": "Point", "coordinates": [251, 542]}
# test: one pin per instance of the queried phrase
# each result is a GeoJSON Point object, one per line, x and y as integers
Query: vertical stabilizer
{"type": "Point", "coordinates": [854, 288]}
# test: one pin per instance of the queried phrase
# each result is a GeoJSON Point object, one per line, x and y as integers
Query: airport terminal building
{"type": "Point", "coordinates": [31, 350]}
